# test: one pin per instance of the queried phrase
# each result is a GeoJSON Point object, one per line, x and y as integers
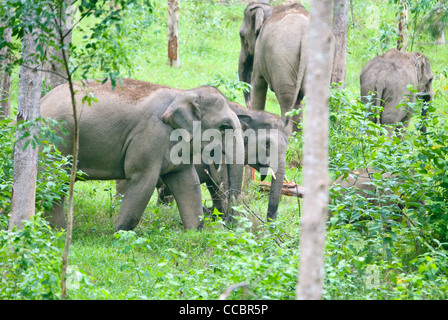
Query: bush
{"type": "Point", "coordinates": [52, 175]}
{"type": "Point", "coordinates": [30, 261]}
{"type": "Point", "coordinates": [387, 246]}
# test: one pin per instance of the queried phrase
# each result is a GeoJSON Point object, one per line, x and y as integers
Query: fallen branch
{"type": "Point", "coordinates": [291, 189]}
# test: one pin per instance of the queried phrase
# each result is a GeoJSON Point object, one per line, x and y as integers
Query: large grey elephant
{"type": "Point", "coordinates": [127, 133]}
{"type": "Point", "coordinates": [265, 144]}
{"type": "Point", "coordinates": [387, 77]}
{"type": "Point", "coordinates": [274, 55]}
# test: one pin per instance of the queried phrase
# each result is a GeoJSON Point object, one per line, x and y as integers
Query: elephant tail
{"type": "Point", "coordinates": [303, 61]}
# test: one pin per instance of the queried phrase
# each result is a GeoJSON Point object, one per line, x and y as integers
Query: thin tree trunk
{"type": "Point", "coordinates": [173, 34]}
{"type": "Point", "coordinates": [5, 80]}
{"type": "Point", "coordinates": [315, 161]}
{"type": "Point", "coordinates": [441, 38]}
{"type": "Point", "coordinates": [57, 74]}
{"type": "Point", "coordinates": [25, 160]}
{"type": "Point", "coordinates": [340, 25]}
{"type": "Point", "coordinates": [402, 26]}
{"type": "Point", "coordinates": [63, 29]}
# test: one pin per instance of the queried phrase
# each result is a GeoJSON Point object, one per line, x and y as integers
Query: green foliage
{"type": "Point", "coordinates": [369, 241]}
{"type": "Point", "coordinates": [52, 174]}
{"type": "Point", "coordinates": [30, 261]}
{"type": "Point", "coordinates": [262, 259]}
{"type": "Point", "coordinates": [231, 88]}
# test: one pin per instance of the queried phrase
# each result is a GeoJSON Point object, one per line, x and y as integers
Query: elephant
{"type": "Point", "coordinates": [274, 55]}
{"type": "Point", "coordinates": [127, 134]}
{"type": "Point", "coordinates": [387, 77]}
{"type": "Point", "coordinates": [270, 154]}
{"type": "Point", "coordinates": [363, 184]}
{"type": "Point", "coordinates": [361, 180]}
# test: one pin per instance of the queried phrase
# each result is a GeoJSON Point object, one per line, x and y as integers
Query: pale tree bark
{"type": "Point", "coordinates": [441, 38]}
{"type": "Point", "coordinates": [56, 73]}
{"type": "Point", "coordinates": [5, 80]}
{"type": "Point", "coordinates": [402, 26]}
{"type": "Point", "coordinates": [25, 160]}
{"type": "Point", "coordinates": [173, 34]}
{"type": "Point", "coordinates": [340, 25]}
{"type": "Point", "coordinates": [315, 161]}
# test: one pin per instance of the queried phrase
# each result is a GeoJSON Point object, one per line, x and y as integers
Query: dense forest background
{"type": "Point", "coordinates": [394, 250]}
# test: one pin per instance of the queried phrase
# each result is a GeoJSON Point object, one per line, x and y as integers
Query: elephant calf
{"type": "Point", "coordinates": [387, 78]}
{"type": "Point", "coordinates": [266, 132]}
{"type": "Point", "coordinates": [126, 135]}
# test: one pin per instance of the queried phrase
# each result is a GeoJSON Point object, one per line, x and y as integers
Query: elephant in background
{"type": "Point", "coordinates": [361, 181]}
{"type": "Point", "coordinates": [274, 55]}
{"type": "Point", "coordinates": [126, 135]}
{"type": "Point", "coordinates": [387, 77]}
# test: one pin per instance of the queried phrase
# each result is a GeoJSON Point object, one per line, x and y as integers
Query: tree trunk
{"type": "Point", "coordinates": [5, 80]}
{"type": "Point", "coordinates": [402, 26]}
{"type": "Point", "coordinates": [173, 46]}
{"type": "Point", "coordinates": [56, 74]}
{"type": "Point", "coordinates": [441, 38]}
{"type": "Point", "coordinates": [340, 25]}
{"type": "Point", "coordinates": [315, 161]}
{"type": "Point", "coordinates": [25, 160]}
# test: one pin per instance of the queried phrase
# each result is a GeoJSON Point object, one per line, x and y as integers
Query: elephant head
{"type": "Point", "coordinates": [424, 76]}
{"type": "Point", "coordinates": [205, 112]}
{"type": "Point", "coordinates": [255, 15]}
{"type": "Point", "coordinates": [265, 144]}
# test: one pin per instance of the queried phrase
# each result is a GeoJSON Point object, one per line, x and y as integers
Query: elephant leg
{"type": "Point", "coordinates": [120, 189]}
{"type": "Point", "coordinates": [186, 190]}
{"type": "Point", "coordinates": [258, 92]}
{"type": "Point", "coordinates": [56, 215]}
{"type": "Point", "coordinates": [289, 101]}
{"type": "Point", "coordinates": [139, 189]}
{"type": "Point", "coordinates": [165, 195]}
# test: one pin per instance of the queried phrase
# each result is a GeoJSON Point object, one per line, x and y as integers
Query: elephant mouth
{"type": "Point", "coordinates": [424, 96]}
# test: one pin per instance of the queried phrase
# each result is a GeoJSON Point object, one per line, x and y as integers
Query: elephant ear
{"type": "Point", "coordinates": [422, 66]}
{"type": "Point", "coordinates": [245, 121]}
{"type": "Point", "coordinates": [183, 111]}
{"type": "Point", "coordinates": [258, 16]}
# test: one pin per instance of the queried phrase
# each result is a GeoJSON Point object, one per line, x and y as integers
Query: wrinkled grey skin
{"type": "Point", "coordinates": [254, 120]}
{"type": "Point", "coordinates": [273, 55]}
{"type": "Point", "coordinates": [216, 177]}
{"type": "Point", "coordinates": [387, 77]}
{"type": "Point", "coordinates": [126, 136]}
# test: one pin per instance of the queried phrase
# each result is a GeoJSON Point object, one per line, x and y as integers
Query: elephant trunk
{"type": "Point", "coordinates": [235, 170]}
{"type": "Point", "coordinates": [245, 65]}
{"type": "Point", "coordinates": [276, 186]}
{"type": "Point", "coordinates": [235, 175]}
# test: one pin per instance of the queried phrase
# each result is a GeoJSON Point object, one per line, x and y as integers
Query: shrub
{"type": "Point", "coordinates": [52, 174]}
{"type": "Point", "coordinates": [30, 261]}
